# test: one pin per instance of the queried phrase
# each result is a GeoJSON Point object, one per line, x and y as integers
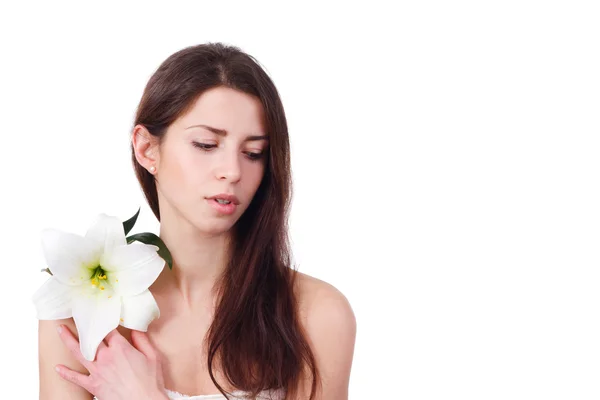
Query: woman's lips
{"type": "Point", "coordinates": [226, 209]}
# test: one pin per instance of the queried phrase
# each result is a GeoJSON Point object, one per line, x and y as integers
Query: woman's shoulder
{"type": "Point", "coordinates": [53, 351]}
{"type": "Point", "coordinates": [330, 325]}
{"type": "Point", "coordinates": [308, 287]}
{"type": "Point", "coordinates": [319, 300]}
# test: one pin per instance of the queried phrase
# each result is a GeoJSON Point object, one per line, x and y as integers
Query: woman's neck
{"type": "Point", "coordinates": [198, 262]}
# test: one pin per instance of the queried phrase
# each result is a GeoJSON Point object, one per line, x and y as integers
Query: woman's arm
{"type": "Point", "coordinates": [331, 328]}
{"type": "Point", "coordinates": [52, 351]}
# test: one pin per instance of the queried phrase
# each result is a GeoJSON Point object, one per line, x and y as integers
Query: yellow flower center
{"type": "Point", "coordinates": [97, 278]}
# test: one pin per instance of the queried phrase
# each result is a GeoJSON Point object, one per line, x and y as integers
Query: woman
{"type": "Point", "coordinates": [210, 149]}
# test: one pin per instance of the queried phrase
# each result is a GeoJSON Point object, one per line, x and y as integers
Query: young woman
{"type": "Point", "coordinates": [211, 151]}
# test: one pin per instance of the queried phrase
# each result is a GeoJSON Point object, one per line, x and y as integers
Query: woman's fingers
{"type": "Point", "coordinates": [115, 337]}
{"type": "Point", "coordinates": [75, 377]}
{"type": "Point", "coordinates": [73, 345]}
{"type": "Point", "coordinates": [101, 346]}
{"type": "Point", "coordinates": [142, 343]}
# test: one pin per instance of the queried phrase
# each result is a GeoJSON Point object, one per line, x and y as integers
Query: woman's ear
{"type": "Point", "coordinates": [145, 147]}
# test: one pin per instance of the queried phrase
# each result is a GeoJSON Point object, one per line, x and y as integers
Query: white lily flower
{"type": "Point", "coordinates": [99, 280]}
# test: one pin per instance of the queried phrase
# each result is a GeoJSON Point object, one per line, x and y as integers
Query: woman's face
{"type": "Point", "coordinates": [195, 162]}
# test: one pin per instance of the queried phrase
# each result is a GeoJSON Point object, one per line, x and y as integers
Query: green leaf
{"type": "Point", "coordinates": [151, 238]}
{"type": "Point", "coordinates": [47, 270]}
{"type": "Point", "coordinates": [127, 225]}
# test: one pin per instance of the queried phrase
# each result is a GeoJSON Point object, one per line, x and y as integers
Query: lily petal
{"type": "Point", "coordinates": [132, 268]}
{"type": "Point", "coordinates": [107, 232]}
{"type": "Point", "coordinates": [95, 317]}
{"type": "Point", "coordinates": [68, 256]}
{"type": "Point", "coordinates": [138, 311]}
{"type": "Point", "coordinates": [53, 300]}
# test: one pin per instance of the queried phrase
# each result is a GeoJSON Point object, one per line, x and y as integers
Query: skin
{"type": "Point", "coordinates": [198, 238]}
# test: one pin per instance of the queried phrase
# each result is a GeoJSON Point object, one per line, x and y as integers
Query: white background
{"type": "Point", "coordinates": [445, 160]}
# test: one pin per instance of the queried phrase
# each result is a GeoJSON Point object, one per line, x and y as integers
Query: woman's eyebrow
{"type": "Point", "coordinates": [223, 132]}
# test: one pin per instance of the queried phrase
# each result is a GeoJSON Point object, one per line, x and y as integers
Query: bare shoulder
{"type": "Point", "coordinates": [330, 325]}
{"type": "Point", "coordinates": [319, 299]}
{"type": "Point", "coordinates": [52, 351]}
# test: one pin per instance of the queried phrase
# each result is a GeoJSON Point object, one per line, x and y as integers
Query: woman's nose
{"type": "Point", "coordinates": [229, 167]}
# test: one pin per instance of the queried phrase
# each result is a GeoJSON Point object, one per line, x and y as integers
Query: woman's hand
{"type": "Point", "coordinates": [120, 370]}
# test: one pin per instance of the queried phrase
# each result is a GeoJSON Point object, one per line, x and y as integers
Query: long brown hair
{"type": "Point", "coordinates": [256, 332]}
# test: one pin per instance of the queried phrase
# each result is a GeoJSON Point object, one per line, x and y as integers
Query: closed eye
{"type": "Point", "coordinates": [207, 147]}
{"type": "Point", "coordinates": [204, 146]}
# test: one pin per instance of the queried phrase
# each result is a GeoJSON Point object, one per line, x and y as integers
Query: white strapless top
{"type": "Point", "coordinates": [237, 395]}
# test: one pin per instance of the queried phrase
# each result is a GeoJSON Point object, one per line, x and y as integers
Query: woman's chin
{"type": "Point", "coordinates": [215, 227]}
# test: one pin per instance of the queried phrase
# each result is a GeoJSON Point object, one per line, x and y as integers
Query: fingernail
{"type": "Point", "coordinates": [57, 369]}
{"type": "Point", "coordinates": [59, 328]}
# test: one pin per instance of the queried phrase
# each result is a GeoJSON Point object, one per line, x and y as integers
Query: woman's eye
{"type": "Point", "coordinates": [204, 146]}
{"type": "Point", "coordinates": [254, 156]}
